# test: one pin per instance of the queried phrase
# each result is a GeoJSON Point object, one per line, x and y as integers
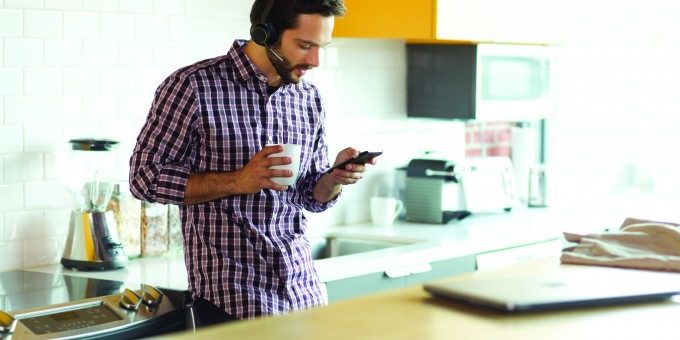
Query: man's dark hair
{"type": "Point", "coordinates": [283, 14]}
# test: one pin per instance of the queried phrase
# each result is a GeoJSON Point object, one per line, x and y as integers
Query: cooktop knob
{"type": "Point", "coordinates": [130, 300]}
{"type": "Point", "coordinates": [151, 296]}
{"type": "Point", "coordinates": [7, 322]}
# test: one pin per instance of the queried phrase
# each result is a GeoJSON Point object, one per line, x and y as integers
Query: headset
{"type": "Point", "coordinates": [263, 32]}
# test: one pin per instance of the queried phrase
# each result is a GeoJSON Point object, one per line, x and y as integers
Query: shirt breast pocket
{"type": "Point", "coordinates": [225, 148]}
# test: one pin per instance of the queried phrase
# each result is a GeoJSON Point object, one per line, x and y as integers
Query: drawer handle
{"type": "Point", "coordinates": [406, 271]}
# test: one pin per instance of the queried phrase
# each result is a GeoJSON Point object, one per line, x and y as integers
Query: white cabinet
{"type": "Point", "coordinates": [517, 21]}
{"type": "Point", "coordinates": [513, 21]}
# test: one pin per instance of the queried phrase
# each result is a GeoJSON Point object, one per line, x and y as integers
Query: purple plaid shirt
{"type": "Point", "coordinates": [248, 254]}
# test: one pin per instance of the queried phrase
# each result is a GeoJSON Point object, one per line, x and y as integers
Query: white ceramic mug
{"type": "Point", "coordinates": [293, 151]}
{"type": "Point", "coordinates": [384, 210]}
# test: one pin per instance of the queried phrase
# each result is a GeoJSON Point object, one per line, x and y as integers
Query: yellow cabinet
{"type": "Point", "coordinates": [403, 19]}
{"type": "Point", "coordinates": [520, 21]}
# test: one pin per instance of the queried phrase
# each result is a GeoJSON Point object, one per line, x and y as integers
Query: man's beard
{"type": "Point", "coordinates": [282, 66]}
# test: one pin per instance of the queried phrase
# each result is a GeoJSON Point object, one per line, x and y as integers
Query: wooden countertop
{"type": "Point", "coordinates": [411, 313]}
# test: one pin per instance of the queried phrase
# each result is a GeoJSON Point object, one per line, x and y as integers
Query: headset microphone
{"type": "Point", "coordinates": [274, 53]}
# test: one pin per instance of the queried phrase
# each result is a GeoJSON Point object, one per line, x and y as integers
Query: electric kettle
{"type": "Point", "coordinates": [92, 240]}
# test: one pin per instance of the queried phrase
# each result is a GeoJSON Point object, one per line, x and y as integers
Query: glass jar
{"type": "Point", "coordinates": [127, 211]}
{"type": "Point", "coordinates": [174, 228]}
{"type": "Point", "coordinates": [154, 228]}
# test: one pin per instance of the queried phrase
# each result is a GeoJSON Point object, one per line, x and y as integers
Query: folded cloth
{"type": "Point", "coordinates": [638, 244]}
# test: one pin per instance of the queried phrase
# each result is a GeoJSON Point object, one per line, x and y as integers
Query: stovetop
{"type": "Point", "coordinates": [22, 290]}
{"type": "Point", "coordinates": [46, 306]}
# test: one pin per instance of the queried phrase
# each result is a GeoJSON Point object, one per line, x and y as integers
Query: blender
{"type": "Point", "coordinates": [92, 240]}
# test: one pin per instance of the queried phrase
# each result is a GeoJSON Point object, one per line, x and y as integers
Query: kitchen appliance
{"type": "Point", "coordinates": [433, 193]}
{"type": "Point", "coordinates": [489, 82]}
{"type": "Point", "coordinates": [47, 306]}
{"type": "Point", "coordinates": [489, 184]}
{"type": "Point", "coordinates": [438, 191]}
{"type": "Point", "coordinates": [92, 241]}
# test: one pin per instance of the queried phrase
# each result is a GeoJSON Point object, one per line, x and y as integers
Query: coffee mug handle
{"type": "Point", "coordinates": [400, 207]}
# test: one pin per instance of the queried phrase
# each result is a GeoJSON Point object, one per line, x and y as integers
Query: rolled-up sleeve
{"type": "Point", "coordinates": [160, 164]}
{"type": "Point", "coordinates": [320, 164]}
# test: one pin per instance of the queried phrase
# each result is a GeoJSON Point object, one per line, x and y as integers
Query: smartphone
{"type": "Point", "coordinates": [362, 158]}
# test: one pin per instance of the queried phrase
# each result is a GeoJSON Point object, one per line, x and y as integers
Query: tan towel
{"type": "Point", "coordinates": [638, 244]}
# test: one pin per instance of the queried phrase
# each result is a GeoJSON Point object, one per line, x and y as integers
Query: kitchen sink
{"type": "Point", "coordinates": [336, 245]}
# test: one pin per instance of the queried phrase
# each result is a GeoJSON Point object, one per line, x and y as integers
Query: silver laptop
{"type": "Point", "coordinates": [561, 289]}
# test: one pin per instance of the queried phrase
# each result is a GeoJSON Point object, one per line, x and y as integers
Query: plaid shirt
{"type": "Point", "coordinates": [248, 254]}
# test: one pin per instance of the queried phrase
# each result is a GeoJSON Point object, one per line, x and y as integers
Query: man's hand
{"type": "Point", "coordinates": [352, 173]}
{"type": "Point", "coordinates": [331, 184]}
{"type": "Point", "coordinates": [256, 175]}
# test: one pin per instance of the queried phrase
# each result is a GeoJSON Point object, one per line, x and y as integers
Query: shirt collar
{"type": "Point", "coordinates": [242, 65]}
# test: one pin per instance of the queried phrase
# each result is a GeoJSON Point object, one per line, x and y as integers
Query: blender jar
{"type": "Point", "coordinates": [92, 240]}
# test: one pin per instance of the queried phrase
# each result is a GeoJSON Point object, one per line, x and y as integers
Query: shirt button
{"type": "Point", "coordinates": [283, 250]}
{"type": "Point", "coordinates": [273, 216]}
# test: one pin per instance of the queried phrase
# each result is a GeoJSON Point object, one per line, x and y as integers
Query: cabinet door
{"type": "Point", "coordinates": [362, 285]}
{"type": "Point", "coordinates": [516, 21]}
{"type": "Point", "coordinates": [402, 19]}
{"type": "Point", "coordinates": [464, 19]}
{"type": "Point", "coordinates": [444, 268]}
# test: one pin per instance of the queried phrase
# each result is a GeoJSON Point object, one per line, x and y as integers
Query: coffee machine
{"type": "Point", "coordinates": [92, 240]}
{"type": "Point", "coordinates": [433, 192]}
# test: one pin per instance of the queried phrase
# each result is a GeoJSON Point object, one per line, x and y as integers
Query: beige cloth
{"type": "Point", "coordinates": [638, 244]}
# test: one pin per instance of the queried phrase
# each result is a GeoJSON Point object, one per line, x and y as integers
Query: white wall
{"type": "Point", "coordinates": [615, 135]}
{"type": "Point", "coordinates": [74, 68]}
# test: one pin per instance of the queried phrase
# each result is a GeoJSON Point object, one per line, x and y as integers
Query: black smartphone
{"type": "Point", "coordinates": [361, 158]}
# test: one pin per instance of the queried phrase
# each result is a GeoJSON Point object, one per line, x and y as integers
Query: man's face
{"type": "Point", "coordinates": [299, 46]}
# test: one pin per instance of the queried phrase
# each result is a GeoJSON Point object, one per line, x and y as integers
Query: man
{"type": "Point", "coordinates": [204, 147]}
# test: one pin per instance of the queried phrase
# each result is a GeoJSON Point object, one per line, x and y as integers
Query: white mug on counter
{"type": "Point", "coordinates": [384, 210]}
{"type": "Point", "coordinates": [293, 151]}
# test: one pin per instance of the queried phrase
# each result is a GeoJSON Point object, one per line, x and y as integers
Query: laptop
{"type": "Point", "coordinates": [559, 289]}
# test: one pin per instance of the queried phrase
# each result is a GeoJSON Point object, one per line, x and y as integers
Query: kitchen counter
{"type": "Point", "coordinates": [166, 271]}
{"type": "Point", "coordinates": [479, 233]}
{"type": "Point", "coordinates": [411, 313]}
{"type": "Point", "coordinates": [476, 234]}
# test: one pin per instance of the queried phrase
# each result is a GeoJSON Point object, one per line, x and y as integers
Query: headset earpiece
{"type": "Point", "coordinates": [263, 32]}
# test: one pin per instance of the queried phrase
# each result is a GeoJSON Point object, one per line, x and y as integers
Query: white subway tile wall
{"type": "Point", "coordinates": [43, 24]}
{"type": "Point", "coordinates": [23, 52]}
{"type": "Point", "coordinates": [63, 52]}
{"type": "Point", "coordinates": [11, 23]}
{"type": "Point", "coordinates": [64, 4]}
{"type": "Point", "coordinates": [135, 6]}
{"type": "Point", "coordinates": [25, 3]}
{"type": "Point", "coordinates": [24, 110]}
{"type": "Point", "coordinates": [101, 5]}
{"type": "Point", "coordinates": [42, 81]}
{"type": "Point", "coordinates": [12, 81]}
{"type": "Point", "coordinates": [81, 25]}
{"type": "Point", "coordinates": [89, 68]}
{"type": "Point", "coordinates": [21, 167]}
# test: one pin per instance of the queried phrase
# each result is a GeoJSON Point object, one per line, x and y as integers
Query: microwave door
{"type": "Point", "coordinates": [512, 81]}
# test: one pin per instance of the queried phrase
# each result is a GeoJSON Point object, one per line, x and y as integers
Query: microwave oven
{"type": "Point", "coordinates": [486, 82]}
